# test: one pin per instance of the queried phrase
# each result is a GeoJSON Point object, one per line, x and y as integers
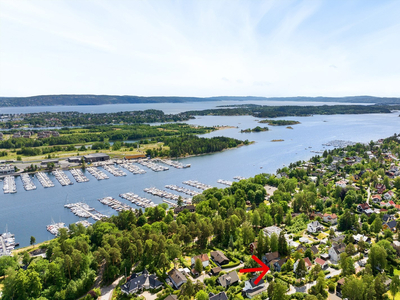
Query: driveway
{"type": "Point", "coordinates": [106, 292]}
{"type": "Point", "coordinates": [149, 296]}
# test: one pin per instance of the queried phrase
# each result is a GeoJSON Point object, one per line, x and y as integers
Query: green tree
{"type": "Point", "coordinates": [301, 269]}
{"type": "Point", "coordinates": [377, 258]}
{"type": "Point", "coordinates": [33, 240]}
{"type": "Point", "coordinates": [282, 245]}
{"type": "Point", "coordinates": [279, 292]}
{"type": "Point", "coordinates": [198, 265]}
{"type": "Point", "coordinates": [395, 286]}
{"type": "Point", "coordinates": [274, 242]}
{"type": "Point", "coordinates": [202, 295]}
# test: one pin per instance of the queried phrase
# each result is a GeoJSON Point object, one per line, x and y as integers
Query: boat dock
{"type": "Point", "coordinates": [7, 243]}
{"type": "Point", "coordinates": [113, 170]}
{"type": "Point", "coordinates": [197, 184]}
{"type": "Point", "coordinates": [44, 180]}
{"type": "Point", "coordinates": [136, 199]}
{"type": "Point", "coordinates": [170, 203]}
{"type": "Point", "coordinates": [9, 186]}
{"type": "Point", "coordinates": [62, 178]}
{"type": "Point", "coordinates": [27, 182]}
{"type": "Point", "coordinates": [132, 168]}
{"type": "Point", "coordinates": [173, 163]}
{"type": "Point", "coordinates": [78, 175]}
{"type": "Point", "coordinates": [84, 211]}
{"type": "Point", "coordinates": [85, 223]}
{"type": "Point", "coordinates": [164, 194]}
{"type": "Point", "coordinates": [225, 182]}
{"type": "Point", "coordinates": [151, 165]}
{"type": "Point", "coordinates": [115, 204]}
{"type": "Point", "coordinates": [239, 178]}
{"type": "Point", "coordinates": [182, 190]}
{"type": "Point", "coordinates": [99, 175]}
{"type": "Point", "coordinates": [55, 228]}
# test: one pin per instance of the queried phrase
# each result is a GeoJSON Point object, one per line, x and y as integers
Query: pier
{"type": "Point", "coordinates": [172, 163]}
{"type": "Point", "coordinates": [151, 165]}
{"type": "Point", "coordinates": [164, 194]}
{"type": "Point", "coordinates": [78, 175]}
{"type": "Point", "coordinates": [132, 168]}
{"type": "Point", "coordinates": [99, 175]}
{"type": "Point", "coordinates": [197, 184]}
{"type": "Point", "coordinates": [182, 190]}
{"type": "Point", "coordinates": [114, 171]}
{"type": "Point", "coordinates": [136, 199]}
{"type": "Point", "coordinates": [9, 186]}
{"type": "Point", "coordinates": [27, 182]}
{"type": "Point", "coordinates": [44, 180]}
{"type": "Point", "coordinates": [225, 182]}
{"type": "Point", "coordinates": [54, 228]}
{"type": "Point", "coordinates": [115, 204]}
{"type": "Point", "coordinates": [84, 211]}
{"type": "Point", "coordinates": [62, 178]}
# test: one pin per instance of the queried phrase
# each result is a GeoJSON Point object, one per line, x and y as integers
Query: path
{"type": "Point", "coordinates": [107, 291]}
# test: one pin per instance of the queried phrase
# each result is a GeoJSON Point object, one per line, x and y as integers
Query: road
{"type": "Point", "coordinates": [107, 291]}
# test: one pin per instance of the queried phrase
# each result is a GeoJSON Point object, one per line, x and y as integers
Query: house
{"type": "Point", "coordinates": [323, 263]}
{"type": "Point", "coordinates": [390, 225]}
{"type": "Point", "coordinates": [278, 264]}
{"type": "Point", "coordinates": [387, 218]}
{"type": "Point", "coordinates": [307, 262]}
{"type": "Point", "coordinates": [177, 278]}
{"type": "Point", "coordinates": [194, 272]}
{"type": "Point", "coordinates": [338, 239]}
{"type": "Point", "coordinates": [380, 188]}
{"type": "Point", "coordinates": [383, 204]}
{"type": "Point", "coordinates": [253, 247]}
{"type": "Point", "coordinates": [357, 238]}
{"type": "Point", "coordinates": [391, 203]}
{"type": "Point", "coordinates": [339, 286]}
{"type": "Point", "coordinates": [304, 240]}
{"type": "Point", "coordinates": [216, 270]}
{"type": "Point", "coordinates": [314, 227]}
{"type": "Point", "coordinates": [171, 297]}
{"type": "Point", "coordinates": [376, 198]}
{"type": "Point", "coordinates": [272, 256]}
{"type": "Point", "coordinates": [325, 256]}
{"type": "Point", "coordinates": [362, 207]}
{"type": "Point", "coordinates": [388, 196]}
{"type": "Point", "coordinates": [204, 260]}
{"type": "Point", "coordinates": [229, 279]}
{"type": "Point", "coordinates": [341, 183]}
{"type": "Point", "coordinates": [335, 251]}
{"type": "Point", "coordinates": [219, 258]}
{"type": "Point", "coordinates": [138, 282]}
{"type": "Point", "coordinates": [220, 296]}
{"type": "Point", "coordinates": [179, 209]}
{"type": "Point", "coordinates": [272, 229]}
{"type": "Point", "coordinates": [251, 289]}
{"type": "Point", "coordinates": [314, 249]}
{"type": "Point", "coordinates": [330, 218]}
{"type": "Point", "coordinates": [302, 249]}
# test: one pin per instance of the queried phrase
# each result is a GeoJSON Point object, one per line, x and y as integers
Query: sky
{"type": "Point", "coordinates": [200, 48]}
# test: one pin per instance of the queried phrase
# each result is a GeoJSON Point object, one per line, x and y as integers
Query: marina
{"type": "Point", "coordinates": [197, 184]}
{"type": "Point", "coordinates": [27, 182]}
{"type": "Point", "coordinates": [172, 204]}
{"type": "Point", "coordinates": [9, 186]}
{"type": "Point", "coordinates": [239, 178]}
{"type": "Point", "coordinates": [99, 175]}
{"type": "Point", "coordinates": [114, 170]}
{"type": "Point", "coordinates": [152, 165]}
{"type": "Point", "coordinates": [115, 204]}
{"type": "Point", "coordinates": [173, 163]}
{"type": "Point", "coordinates": [62, 178]}
{"type": "Point", "coordinates": [54, 228]}
{"type": "Point", "coordinates": [182, 190]}
{"type": "Point", "coordinates": [78, 175]}
{"type": "Point", "coordinates": [44, 180]}
{"type": "Point", "coordinates": [225, 182]}
{"type": "Point", "coordinates": [85, 223]}
{"type": "Point", "coordinates": [132, 168]}
{"type": "Point", "coordinates": [164, 194]}
{"type": "Point", "coordinates": [7, 243]}
{"type": "Point", "coordinates": [136, 199]}
{"type": "Point", "coordinates": [83, 210]}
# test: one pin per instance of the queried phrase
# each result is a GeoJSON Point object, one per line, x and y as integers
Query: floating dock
{"type": "Point", "coordinates": [136, 199]}
{"type": "Point", "coordinates": [44, 180]}
{"type": "Point", "coordinates": [9, 186]}
{"type": "Point", "coordinates": [115, 204]}
{"type": "Point", "coordinates": [27, 182]}
{"type": "Point", "coordinates": [114, 170]}
{"type": "Point", "coordinates": [83, 210]}
{"type": "Point", "coordinates": [197, 184]}
{"type": "Point", "coordinates": [62, 178]}
{"type": "Point", "coordinates": [99, 175]}
{"type": "Point", "coordinates": [152, 165]}
{"type": "Point", "coordinates": [182, 190]}
{"type": "Point", "coordinates": [78, 175]}
{"type": "Point", "coordinates": [132, 168]}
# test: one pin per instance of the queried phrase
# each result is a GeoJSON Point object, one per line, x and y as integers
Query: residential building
{"type": "Point", "coordinates": [139, 282]}
{"type": "Point", "coordinates": [391, 225]}
{"type": "Point", "coordinates": [219, 258]}
{"type": "Point", "coordinates": [339, 286]}
{"type": "Point", "coordinates": [323, 263]}
{"type": "Point", "coordinates": [307, 262]}
{"type": "Point", "coordinates": [279, 263]}
{"type": "Point", "coordinates": [220, 296]}
{"type": "Point", "coordinates": [362, 207]}
{"type": "Point", "coordinates": [380, 188]}
{"type": "Point", "coordinates": [330, 218]}
{"type": "Point", "coordinates": [177, 278]}
{"type": "Point", "coordinates": [204, 259]}
{"type": "Point", "coordinates": [272, 229]}
{"type": "Point", "coordinates": [229, 279]}
{"type": "Point", "coordinates": [190, 208]}
{"type": "Point", "coordinates": [251, 289]}
{"type": "Point", "coordinates": [335, 251]}
{"type": "Point", "coordinates": [314, 227]}
{"type": "Point", "coordinates": [253, 247]}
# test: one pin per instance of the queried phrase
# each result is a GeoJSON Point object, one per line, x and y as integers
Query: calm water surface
{"type": "Point", "coordinates": [28, 213]}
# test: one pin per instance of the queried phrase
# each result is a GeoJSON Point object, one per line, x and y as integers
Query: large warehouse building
{"type": "Point", "coordinates": [96, 157]}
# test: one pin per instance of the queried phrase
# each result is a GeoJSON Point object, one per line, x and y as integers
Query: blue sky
{"type": "Point", "coordinates": [200, 48]}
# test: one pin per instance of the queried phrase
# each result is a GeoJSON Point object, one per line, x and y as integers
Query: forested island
{"type": "Point", "coordinates": [255, 129]}
{"type": "Point", "coordinates": [51, 100]}
{"type": "Point", "coordinates": [279, 122]}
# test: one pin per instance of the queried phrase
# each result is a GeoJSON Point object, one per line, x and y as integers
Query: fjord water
{"type": "Point", "coordinates": [28, 213]}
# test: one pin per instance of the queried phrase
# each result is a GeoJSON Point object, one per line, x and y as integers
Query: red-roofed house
{"type": "Point", "coordinates": [253, 247]}
{"type": "Point", "coordinates": [306, 261]}
{"type": "Point", "coordinates": [330, 218]}
{"type": "Point", "coordinates": [204, 259]}
{"type": "Point", "coordinates": [322, 263]}
{"type": "Point", "coordinates": [376, 198]}
{"type": "Point", "coordinates": [391, 203]}
{"type": "Point", "coordinates": [362, 207]}
{"type": "Point", "coordinates": [380, 187]}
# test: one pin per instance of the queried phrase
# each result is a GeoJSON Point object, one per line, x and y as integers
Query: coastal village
{"type": "Point", "coordinates": [326, 228]}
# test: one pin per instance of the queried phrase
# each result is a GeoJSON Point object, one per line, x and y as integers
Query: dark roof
{"type": "Point", "coordinates": [314, 249]}
{"type": "Point", "coordinates": [386, 217]}
{"type": "Point", "coordinates": [171, 297]}
{"type": "Point", "coordinates": [216, 270]}
{"type": "Point", "coordinates": [339, 248]}
{"type": "Point", "coordinates": [392, 224]}
{"type": "Point", "coordinates": [253, 284]}
{"type": "Point", "coordinates": [219, 257]}
{"type": "Point", "coordinates": [301, 247]}
{"type": "Point", "coordinates": [228, 279]}
{"type": "Point", "coordinates": [137, 281]}
{"type": "Point", "coordinates": [176, 276]}
{"type": "Point", "coordinates": [281, 261]}
{"type": "Point", "coordinates": [338, 239]}
{"type": "Point", "coordinates": [220, 296]}
{"type": "Point", "coordinates": [179, 209]}
{"type": "Point", "coordinates": [271, 256]}
{"type": "Point", "coordinates": [96, 155]}
{"type": "Point", "coordinates": [202, 257]}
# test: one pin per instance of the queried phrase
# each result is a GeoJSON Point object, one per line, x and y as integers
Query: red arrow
{"type": "Point", "coordinates": [264, 268]}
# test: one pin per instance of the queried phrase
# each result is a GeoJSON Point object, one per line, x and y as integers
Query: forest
{"type": "Point", "coordinates": [279, 122]}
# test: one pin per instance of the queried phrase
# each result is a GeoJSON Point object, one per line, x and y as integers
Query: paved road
{"type": "Point", "coordinates": [106, 292]}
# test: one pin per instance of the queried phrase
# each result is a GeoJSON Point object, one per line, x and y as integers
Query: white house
{"type": "Point", "coordinates": [335, 251]}
{"type": "Point", "coordinates": [330, 218]}
{"type": "Point", "coordinates": [251, 289]}
{"type": "Point", "coordinates": [314, 227]}
{"type": "Point", "coordinates": [272, 229]}
{"type": "Point", "coordinates": [204, 260]}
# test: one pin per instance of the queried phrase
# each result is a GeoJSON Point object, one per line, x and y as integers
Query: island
{"type": "Point", "coordinates": [255, 129]}
{"type": "Point", "coordinates": [279, 122]}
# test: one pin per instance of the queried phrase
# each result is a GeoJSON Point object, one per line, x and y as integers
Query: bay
{"type": "Point", "coordinates": [28, 213]}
